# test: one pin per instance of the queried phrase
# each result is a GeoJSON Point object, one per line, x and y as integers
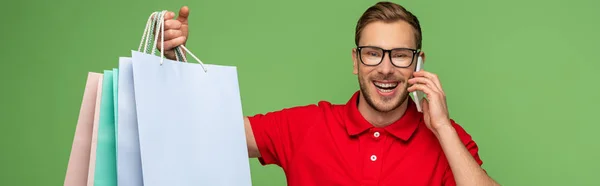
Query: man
{"type": "Point", "coordinates": [378, 137]}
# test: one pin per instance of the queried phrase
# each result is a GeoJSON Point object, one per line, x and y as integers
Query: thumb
{"type": "Point", "coordinates": [184, 12]}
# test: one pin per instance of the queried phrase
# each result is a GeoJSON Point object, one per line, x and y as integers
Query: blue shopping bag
{"type": "Point", "coordinates": [129, 170]}
{"type": "Point", "coordinates": [190, 123]}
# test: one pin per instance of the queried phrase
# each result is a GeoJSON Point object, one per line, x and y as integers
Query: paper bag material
{"type": "Point", "coordinates": [129, 165]}
{"type": "Point", "coordinates": [94, 142]}
{"type": "Point", "coordinates": [106, 171]}
{"type": "Point", "coordinates": [77, 169]}
{"type": "Point", "coordinates": [190, 123]}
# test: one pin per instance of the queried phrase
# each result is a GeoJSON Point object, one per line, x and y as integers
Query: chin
{"type": "Point", "coordinates": [388, 105]}
{"type": "Point", "coordinates": [384, 103]}
{"type": "Point", "coordinates": [384, 95]}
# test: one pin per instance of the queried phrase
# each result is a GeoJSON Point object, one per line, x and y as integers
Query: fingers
{"type": "Point", "coordinates": [184, 13]}
{"type": "Point", "coordinates": [175, 32]}
{"type": "Point", "coordinates": [172, 43]}
{"type": "Point", "coordinates": [172, 24]}
{"type": "Point", "coordinates": [424, 88]}
{"type": "Point", "coordinates": [173, 29]}
{"type": "Point", "coordinates": [172, 34]}
{"type": "Point", "coordinates": [426, 81]}
{"type": "Point", "coordinates": [434, 78]}
{"type": "Point", "coordinates": [169, 15]}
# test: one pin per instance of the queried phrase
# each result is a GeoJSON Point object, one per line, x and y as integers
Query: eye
{"type": "Point", "coordinates": [374, 54]}
{"type": "Point", "coordinates": [400, 55]}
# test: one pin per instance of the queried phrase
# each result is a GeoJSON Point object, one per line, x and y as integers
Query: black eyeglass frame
{"type": "Point", "coordinates": [389, 52]}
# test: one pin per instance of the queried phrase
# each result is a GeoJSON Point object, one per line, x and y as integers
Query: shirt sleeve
{"type": "Point", "coordinates": [471, 147]}
{"type": "Point", "coordinates": [277, 133]}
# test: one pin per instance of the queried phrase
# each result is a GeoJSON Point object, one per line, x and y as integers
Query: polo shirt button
{"type": "Point", "coordinates": [376, 134]}
{"type": "Point", "coordinates": [373, 157]}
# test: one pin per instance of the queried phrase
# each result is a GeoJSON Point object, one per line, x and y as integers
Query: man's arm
{"type": "Point", "coordinates": [465, 169]}
{"type": "Point", "coordinates": [252, 147]}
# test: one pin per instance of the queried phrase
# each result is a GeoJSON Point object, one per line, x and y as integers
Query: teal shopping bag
{"type": "Point", "coordinates": [106, 171]}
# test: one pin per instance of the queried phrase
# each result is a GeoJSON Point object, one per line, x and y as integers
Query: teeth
{"type": "Point", "coordinates": [386, 85]}
{"type": "Point", "coordinates": [385, 90]}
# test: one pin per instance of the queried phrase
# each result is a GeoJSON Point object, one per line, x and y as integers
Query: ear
{"type": "Point", "coordinates": [422, 54]}
{"type": "Point", "coordinates": [355, 61]}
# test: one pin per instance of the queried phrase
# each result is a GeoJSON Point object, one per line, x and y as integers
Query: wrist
{"type": "Point", "coordinates": [444, 130]}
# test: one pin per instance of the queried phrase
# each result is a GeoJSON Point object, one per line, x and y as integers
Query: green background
{"type": "Point", "coordinates": [520, 76]}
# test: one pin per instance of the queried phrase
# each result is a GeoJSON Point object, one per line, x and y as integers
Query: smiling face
{"type": "Point", "coordinates": [384, 86]}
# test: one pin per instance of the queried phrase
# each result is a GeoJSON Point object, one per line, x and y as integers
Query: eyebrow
{"type": "Point", "coordinates": [403, 47]}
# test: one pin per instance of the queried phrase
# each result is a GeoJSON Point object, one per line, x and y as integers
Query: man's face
{"type": "Point", "coordinates": [384, 86]}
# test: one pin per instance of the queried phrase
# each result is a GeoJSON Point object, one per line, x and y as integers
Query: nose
{"type": "Point", "coordinates": [386, 66]}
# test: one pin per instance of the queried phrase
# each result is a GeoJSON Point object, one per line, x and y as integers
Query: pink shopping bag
{"type": "Point", "coordinates": [81, 149]}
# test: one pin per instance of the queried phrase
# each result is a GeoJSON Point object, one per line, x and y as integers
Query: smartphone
{"type": "Point", "coordinates": [418, 95]}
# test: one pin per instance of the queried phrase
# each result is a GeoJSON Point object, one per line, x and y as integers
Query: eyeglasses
{"type": "Point", "coordinates": [373, 56]}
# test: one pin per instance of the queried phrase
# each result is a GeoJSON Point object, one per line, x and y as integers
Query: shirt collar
{"type": "Point", "coordinates": [403, 128]}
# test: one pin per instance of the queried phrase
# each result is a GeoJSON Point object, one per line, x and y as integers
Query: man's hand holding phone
{"type": "Point", "coordinates": [434, 107]}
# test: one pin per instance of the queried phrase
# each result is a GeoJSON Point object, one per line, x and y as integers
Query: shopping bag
{"type": "Point", "coordinates": [78, 165]}
{"type": "Point", "coordinates": [190, 122]}
{"type": "Point", "coordinates": [93, 147]}
{"type": "Point", "coordinates": [129, 166]}
{"type": "Point", "coordinates": [115, 100]}
{"type": "Point", "coordinates": [106, 171]}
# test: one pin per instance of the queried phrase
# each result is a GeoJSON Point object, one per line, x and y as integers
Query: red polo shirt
{"type": "Point", "coordinates": [328, 144]}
